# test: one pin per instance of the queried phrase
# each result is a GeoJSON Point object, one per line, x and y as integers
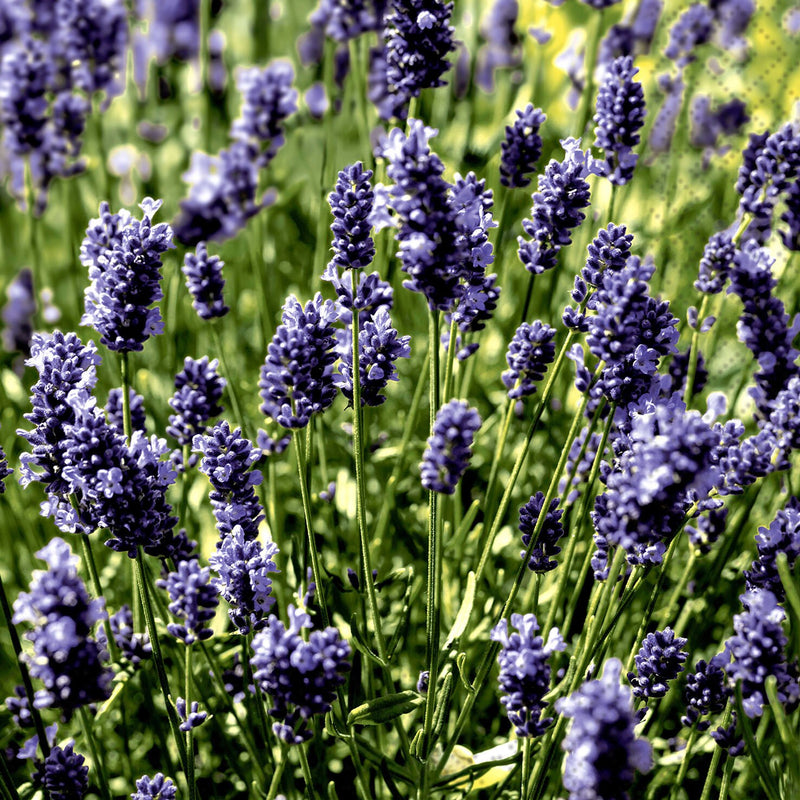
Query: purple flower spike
{"type": "Point", "coordinates": [758, 650]}
{"type": "Point", "coordinates": [525, 672]}
{"type": "Point", "coordinates": [156, 788]}
{"type": "Point", "coordinates": [529, 352]}
{"type": "Point", "coordinates": [602, 748]}
{"type": "Point", "coordinates": [297, 376]}
{"type": "Point", "coordinates": [449, 447]}
{"type": "Point", "coordinates": [205, 282]}
{"type": "Point", "coordinates": [192, 599]}
{"type": "Point", "coordinates": [522, 147]}
{"type": "Point", "coordinates": [619, 116]}
{"type": "Point", "coordinates": [198, 390]}
{"type": "Point", "coordinates": [66, 659]}
{"type": "Point", "coordinates": [63, 774]}
{"type": "Point", "coordinates": [706, 692]}
{"type": "Point", "coordinates": [659, 661]}
{"type": "Point", "coordinates": [123, 255]}
{"type": "Point", "coordinates": [351, 203]}
{"type": "Point", "coordinates": [562, 193]}
{"type": "Point", "coordinates": [301, 677]}
{"type": "Point", "coordinates": [552, 530]}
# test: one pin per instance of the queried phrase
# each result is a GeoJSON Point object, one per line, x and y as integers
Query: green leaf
{"type": "Point", "coordinates": [443, 698]}
{"type": "Point", "coordinates": [120, 681]}
{"type": "Point", "coordinates": [462, 618]}
{"type": "Point", "coordinates": [360, 643]}
{"type": "Point", "coordinates": [385, 709]}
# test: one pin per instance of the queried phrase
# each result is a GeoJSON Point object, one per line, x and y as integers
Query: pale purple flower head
{"type": "Point", "coordinates": [449, 449]}
{"type": "Point", "coordinates": [205, 282]}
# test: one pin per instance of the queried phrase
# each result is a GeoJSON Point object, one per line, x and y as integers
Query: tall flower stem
{"type": "Point", "coordinates": [158, 658]}
{"type": "Point", "coordinates": [7, 781]}
{"type": "Point", "coordinates": [566, 568]}
{"type": "Point", "coordinates": [94, 576]}
{"type": "Point", "coordinates": [490, 654]}
{"type": "Point", "coordinates": [86, 724]}
{"type": "Point", "coordinates": [361, 492]}
{"type": "Point", "coordinates": [247, 641]}
{"type": "Point", "coordinates": [232, 382]}
{"type": "Point", "coordinates": [275, 783]}
{"type": "Point", "coordinates": [684, 768]}
{"type": "Point", "coordinates": [311, 792]}
{"type": "Point", "coordinates": [299, 446]}
{"type": "Point", "coordinates": [190, 780]}
{"type": "Point", "coordinates": [124, 368]}
{"type": "Point", "coordinates": [434, 572]}
{"type": "Point", "coordinates": [26, 678]}
{"type": "Point", "coordinates": [715, 759]}
{"type": "Point", "coordinates": [449, 363]}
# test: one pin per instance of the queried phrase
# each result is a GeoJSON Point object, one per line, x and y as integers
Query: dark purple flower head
{"type": "Point", "coordinates": [205, 282]}
{"type": "Point", "coordinates": [522, 147]}
{"type": "Point", "coordinates": [732, 18]}
{"type": "Point", "coordinates": [663, 128]}
{"type": "Point", "coordinates": [156, 788]}
{"type": "Point", "coordinates": [63, 775]}
{"type": "Point", "coordinates": [301, 677]}
{"type": "Point", "coordinates": [602, 748]}
{"type": "Point", "coordinates": [18, 313]}
{"type": "Point", "coordinates": [447, 455]}
{"type": "Point", "coordinates": [669, 459]}
{"type": "Point", "coordinates": [115, 415]}
{"type": "Point", "coordinates": [268, 98]}
{"type": "Point", "coordinates": [709, 124]}
{"type": "Point", "coordinates": [715, 265]}
{"type": "Point", "coordinates": [619, 116]}
{"type": "Point", "coordinates": [659, 661]}
{"type": "Point", "coordinates": [502, 49]}
{"type": "Point", "coordinates": [432, 247]}
{"type": "Point", "coordinates": [791, 216]}
{"type": "Point", "coordinates": [222, 194]}
{"type": "Point", "coordinates": [525, 672]}
{"type": "Point", "coordinates": [244, 568]}
{"type": "Point", "coordinates": [770, 164]}
{"type": "Point", "coordinates": [693, 28]}
{"type": "Point", "coordinates": [191, 717]}
{"type": "Point", "coordinates": [351, 204]}
{"type": "Point", "coordinates": [198, 390]}
{"type": "Point", "coordinates": [379, 347]}
{"type": "Point", "coordinates": [562, 193]}
{"type": "Point", "coordinates": [529, 352]}
{"type": "Point", "coordinates": [92, 39]}
{"type": "Point", "coordinates": [192, 599]}
{"type": "Point", "coordinates": [418, 38]}
{"type": "Point", "coordinates": [134, 646]}
{"type": "Point", "coordinates": [706, 692]}
{"type": "Point", "coordinates": [764, 327]}
{"type": "Point", "coordinates": [728, 739]}
{"type": "Point", "coordinates": [123, 255]}
{"type": "Point", "coordinates": [297, 376]}
{"type": "Point", "coordinates": [782, 536]}
{"type": "Point", "coordinates": [551, 532]}
{"type": "Point", "coordinates": [66, 659]}
{"type": "Point", "coordinates": [757, 651]}
{"type": "Point", "coordinates": [227, 460]}
{"type": "Point", "coordinates": [67, 375]}
{"type": "Point", "coordinates": [344, 20]}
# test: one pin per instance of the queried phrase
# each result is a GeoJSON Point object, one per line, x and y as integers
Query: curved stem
{"type": "Point", "coordinates": [86, 724]}
{"type": "Point", "coordinates": [189, 743]}
{"type": "Point", "coordinates": [278, 774]}
{"type": "Point", "coordinates": [126, 399]}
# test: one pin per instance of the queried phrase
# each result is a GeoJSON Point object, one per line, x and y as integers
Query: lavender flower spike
{"type": "Point", "coordinates": [552, 530]}
{"type": "Point", "coordinates": [297, 376]}
{"type": "Point", "coordinates": [205, 282]}
{"type": "Point", "coordinates": [193, 601]}
{"type": "Point", "coordinates": [123, 255]}
{"type": "Point", "coordinates": [529, 352]}
{"type": "Point", "coordinates": [602, 748]}
{"type": "Point", "coordinates": [619, 116]}
{"type": "Point", "coordinates": [63, 775]}
{"type": "Point", "coordinates": [659, 661]}
{"type": "Point", "coordinates": [449, 447]}
{"type": "Point", "coordinates": [198, 390]}
{"type": "Point", "coordinates": [66, 659]}
{"type": "Point", "coordinates": [301, 677]}
{"type": "Point", "coordinates": [522, 147]}
{"type": "Point", "coordinates": [525, 672]}
{"type": "Point", "coordinates": [351, 203]}
{"type": "Point", "coordinates": [562, 193]}
{"type": "Point", "coordinates": [156, 788]}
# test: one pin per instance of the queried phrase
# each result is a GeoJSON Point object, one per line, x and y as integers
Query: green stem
{"type": "Point", "coordinates": [590, 60]}
{"type": "Point", "coordinates": [434, 575]}
{"type": "Point", "coordinates": [232, 382]}
{"type": "Point", "coordinates": [727, 773]}
{"type": "Point", "coordinates": [306, 767]}
{"type": "Point", "coordinates": [694, 353]}
{"type": "Point", "coordinates": [86, 724]}
{"type": "Point", "coordinates": [299, 446]}
{"type": "Point", "coordinates": [526, 766]}
{"type": "Point", "coordinates": [88, 557]}
{"type": "Point", "coordinates": [278, 774]}
{"type": "Point", "coordinates": [9, 789]}
{"type": "Point", "coordinates": [189, 743]}
{"type": "Point", "coordinates": [124, 368]}
{"type": "Point", "coordinates": [684, 768]}
{"type": "Point", "coordinates": [449, 362]}
{"type": "Point", "coordinates": [712, 768]}
{"type": "Point", "coordinates": [158, 658]}
{"type": "Point", "coordinates": [528, 295]}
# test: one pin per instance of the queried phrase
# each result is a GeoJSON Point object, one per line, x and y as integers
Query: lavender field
{"type": "Point", "coordinates": [400, 399]}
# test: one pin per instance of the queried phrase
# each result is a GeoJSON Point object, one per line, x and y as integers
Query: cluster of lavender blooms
{"type": "Point", "coordinates": [66, 659]}
{"type": "Point", "coordinates": [205, 282]}
{"type": "Point", "coordinates": [603, 751]}
{"type": "Point", "coordinates": [52, 61]}
{"type": "Point", "coordinates": [223, 188]}
{"type": "Point", "coordinates": [659, 661]}
{"type": "Point", "coordinates": [525, 672]}
{"type": "Point", "coordinates": [447, 455]}
{"type": "Point", "coordinates": [300, 675]}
